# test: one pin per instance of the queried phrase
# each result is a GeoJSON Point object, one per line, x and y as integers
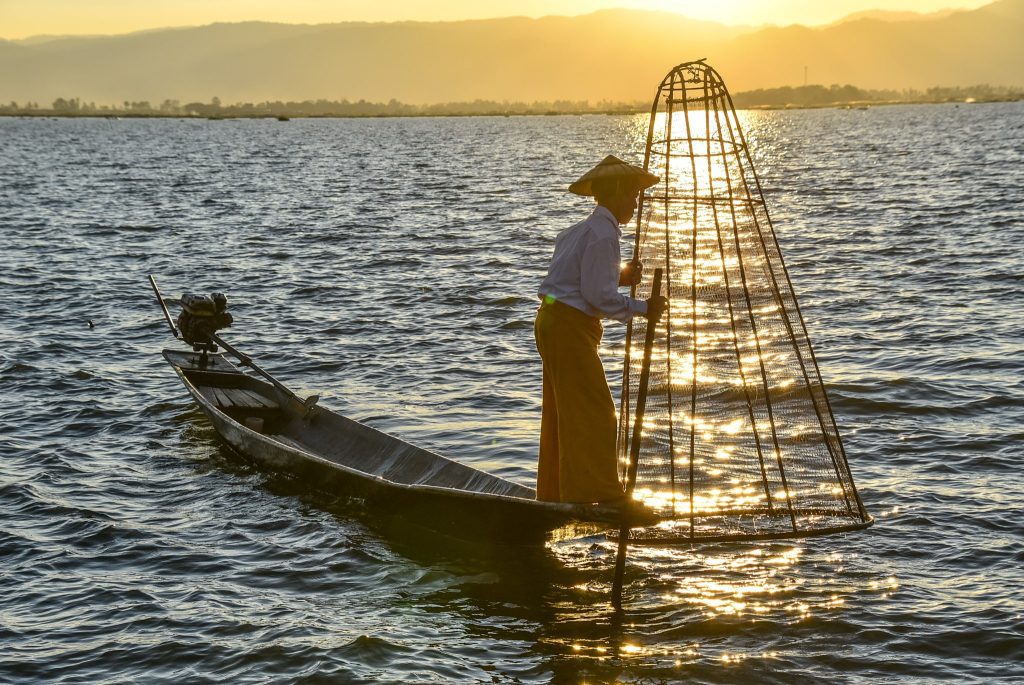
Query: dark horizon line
{"type": "Point", "coordinates": [762, 98]}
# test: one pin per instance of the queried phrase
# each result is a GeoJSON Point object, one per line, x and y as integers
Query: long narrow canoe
{"type": "Point", "coordinates": [340, 456]}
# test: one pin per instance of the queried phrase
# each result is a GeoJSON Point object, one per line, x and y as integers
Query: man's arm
{"type": "Point", "coordinates": [599, 281]}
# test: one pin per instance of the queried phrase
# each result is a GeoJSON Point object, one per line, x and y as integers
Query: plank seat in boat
{"type": "Point", "coordinates": [237, 398]}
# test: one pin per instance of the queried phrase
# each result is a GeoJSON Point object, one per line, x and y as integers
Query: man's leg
{"type": "Point", "coordinates": [586, 416]}
{"type": "Point", "coordinates": [547, 458]}
{"type": "Point", "coordinates": [547, 463]}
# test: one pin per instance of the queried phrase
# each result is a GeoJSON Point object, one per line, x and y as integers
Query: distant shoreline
{"type": "Point", "coordinates": [866, 104]}
{"type": "Point", "coordinates": [785, 97]}
{"type": "Point", "coordinates": [227, 114]}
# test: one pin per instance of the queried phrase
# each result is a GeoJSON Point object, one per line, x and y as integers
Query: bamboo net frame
{"type": "Point", "coordinates": [739, 440]}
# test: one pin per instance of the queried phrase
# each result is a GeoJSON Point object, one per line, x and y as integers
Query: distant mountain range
{"type": "Point", "coordinates": [894, 15]}
{"type": "Point", "coordinates": [612, 55]}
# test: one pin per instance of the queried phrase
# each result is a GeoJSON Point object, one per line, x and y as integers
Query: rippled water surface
{"type": "Point", "coordinates": [391, 265]}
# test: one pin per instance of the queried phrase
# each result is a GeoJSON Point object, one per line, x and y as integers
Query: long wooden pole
{"type": "Point", "coordinates": [160, 299]}
{"type": "Point", "coordinates": [634, 445]}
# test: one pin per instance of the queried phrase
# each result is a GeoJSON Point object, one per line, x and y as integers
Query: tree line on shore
{"type": "Point", "coordinates": [787, 96]}
{"type": "Point", "coordinates": [820, 96]}
{"type": "Point", "coordinates": [312, 108]}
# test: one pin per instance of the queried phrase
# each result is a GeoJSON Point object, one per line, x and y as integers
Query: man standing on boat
{"type": "Point", "coordinates": [577, 460]}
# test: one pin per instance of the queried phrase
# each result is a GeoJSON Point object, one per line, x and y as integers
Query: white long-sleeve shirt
{"type": "Point", "coordinates": [585, 268]}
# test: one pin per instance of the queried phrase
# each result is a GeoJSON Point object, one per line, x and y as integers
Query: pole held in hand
{"type": "Point", "coordinates": [634, 445]}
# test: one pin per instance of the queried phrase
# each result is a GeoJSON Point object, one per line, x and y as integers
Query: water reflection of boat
{"type": "Point", "coordinates": [340, 456]}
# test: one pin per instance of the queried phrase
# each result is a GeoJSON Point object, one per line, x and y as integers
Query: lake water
{"type": "Point", "coordinates": [391, 266]}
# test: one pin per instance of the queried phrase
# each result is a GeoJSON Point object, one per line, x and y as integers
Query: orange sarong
{"type": "Point", "coordinates": [577, 460]}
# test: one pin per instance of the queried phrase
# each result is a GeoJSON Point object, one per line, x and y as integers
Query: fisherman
{"type": "Point", "coordinates": [577, 460]}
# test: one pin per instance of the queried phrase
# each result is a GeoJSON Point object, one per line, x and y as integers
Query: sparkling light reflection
{"type": "Point", "coordinates": [734, 422]}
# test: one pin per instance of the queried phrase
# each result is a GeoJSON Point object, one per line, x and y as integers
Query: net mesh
{"type": "Point", "coordinates": [738, 438]}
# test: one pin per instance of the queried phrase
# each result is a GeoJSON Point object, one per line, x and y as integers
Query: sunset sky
{"type": "Point", "coordinates": [23, 18]}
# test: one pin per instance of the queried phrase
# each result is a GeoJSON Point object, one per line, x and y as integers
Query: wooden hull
{"type": "Point", "coordinates": [342, 457]}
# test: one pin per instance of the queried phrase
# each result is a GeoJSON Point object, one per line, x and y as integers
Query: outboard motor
{"type": "Point", "coordinates": [201, 317]}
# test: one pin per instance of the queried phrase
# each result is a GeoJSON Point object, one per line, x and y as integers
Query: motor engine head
{"type": "Point", "coordinates": [202, 316]}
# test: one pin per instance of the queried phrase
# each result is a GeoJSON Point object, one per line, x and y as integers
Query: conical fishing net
{"type": "Point", "coordinates": [738, 438]}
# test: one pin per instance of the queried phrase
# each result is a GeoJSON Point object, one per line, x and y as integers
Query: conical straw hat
{"type": "Point", "coordinates": [611, 167]}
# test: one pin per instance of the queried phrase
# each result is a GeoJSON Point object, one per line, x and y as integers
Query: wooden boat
{"type": "Point", "coordinates": [340, 456]}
